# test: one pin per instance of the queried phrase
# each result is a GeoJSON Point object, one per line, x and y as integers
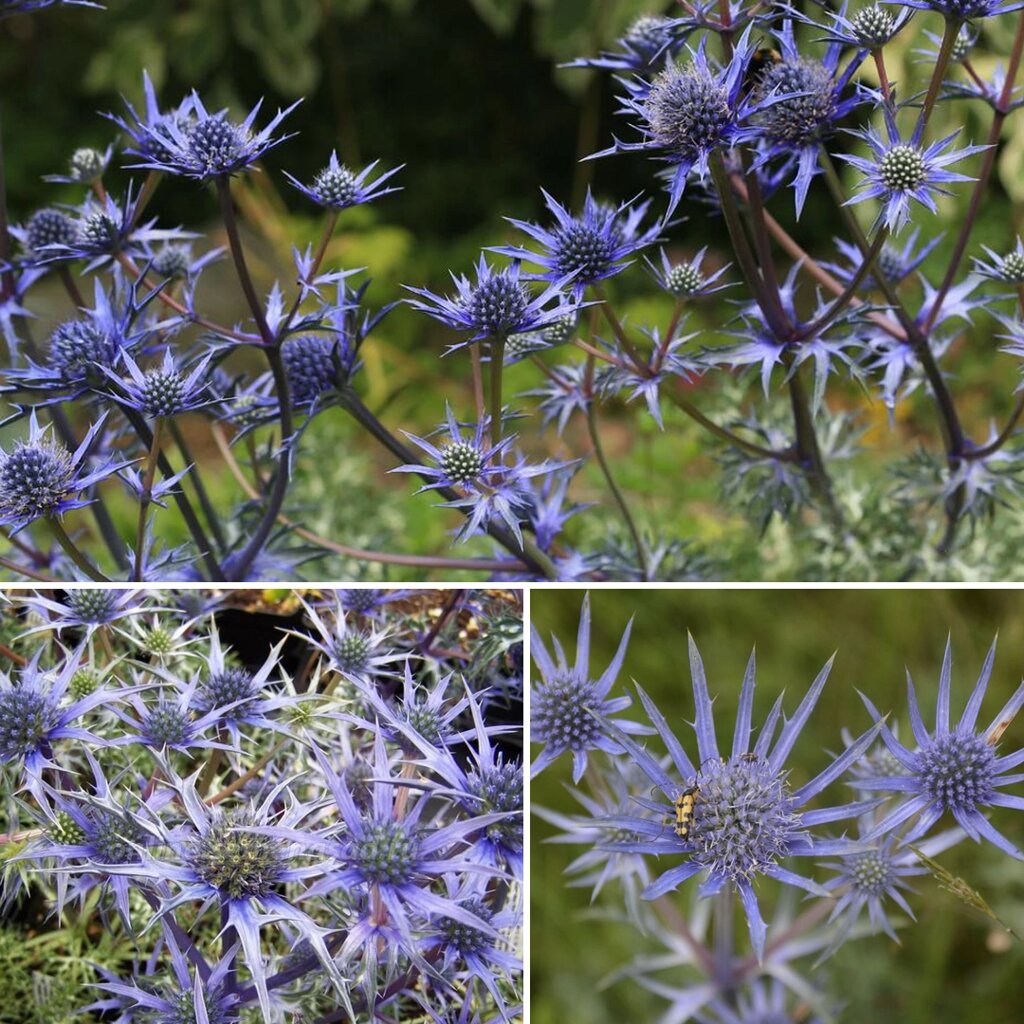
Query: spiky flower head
{"type": "Point", "coordinates": [586, 248]}
{"type": "Point", "coordinates": [167, 724]}
{"type": "Point", "coordinates": [805, 99]}
{"type": "Point", "coordinates": [163, 390]}
{"type": "Point", "coordinates": [499, 787]}
{"type": "Point", "coordinates": [1008, 267]}
{"type": "Point", "coordinates": [230, 684]}
{"type": "Point", "coordinates": [464, 939]}
{"type": "Point", "coordinates": [873, 26]}
{"type": "Point", "coordinates": [92, 604]}
{"type": "Point", "coordinates": [570, 711]}
{"type": "Point", "coordinates": [27, 717]}
{"type": "Point", "coordinates": [692, 110]}
{"type": "Point", "coordinates": [48, 228]}
{"type": "Point", "coordinates": [172, 261]}
{"type": "Point", "coordinates": [115, 837]}
{"type": "Point", "coordinates": [462, 462]}
{"type": "Point", "coordinates": [41, 478]}
{"type": "Point", "coordinates": [84, 682]}
{"type": "Point", "coordinates": [315, 365]}
{"type": "Point", "coordinates": [496, 306]}
{"type": "Point", "coordinates": [954, 769]}
{"type": "Point", "coordinates": [900, 171]}
{"type": "Point", "coordinates": [87, 165]}
{"type": "Point", "coordinates": [338, 187]}
{"type": "Point", "coordinates": [238, 863]}
{"type": "Point", "coordinates": [200, 144]}
{"type": "Point", "coordinates": [77, 346]}
{"type": "Point", "coordinates": [385, 852]}
{"type": "Point", "coordinates": [744, 819]}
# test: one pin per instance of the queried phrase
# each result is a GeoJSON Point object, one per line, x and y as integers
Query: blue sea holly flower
{"type": "Point", "coordinates": [317, 365]}
{"type": "Point", "coordinates": [649, 42]}
{"type": "Point", "coordinates": [893, 263]}
{"type": "Point", "coordinates": [149, 131]}
{"type": "Point", "coordinates": [34, 716]}
{"type": "Point", "coordinates": [954, 769]}
{"type": "Point", "coordinates": [164, 390]}
{"type": "Point", "coordinates": [396, 856]}
{"type": "Point", "coordinates": [866, 880]}
{"type": "Point", "coordinates": [106, 227]}
{"type": "Point", "coordinates": [586, 249]}
{"type": "Point", "coordinates": [1007, 267]}
{"type": "Point", "coordinates": [869, 28]}
{"type": "Point", "coordinates": [687, 280]}
{"type": "Point", "coordinates": [244, 697]}
{"type": "Point", "coordinates": [498, 305]}
{"type": "Point", "coordinates": [167, 721]}
{"type": "Point", "coordinates": [83, 608]}
{"type": "Point", "coordinates": [483, 782]}
{"type": "Point", "coordinates": [802, 102]}
{"type": "Point", "coordinates": [188, 995]}
{"type": "Point", "coordinates": [898, 172]}
{"type": "Point", "coordinates": [239, 860]}
{"type": "Point", "coordinates": [597, 866]}
{"type": "Point", "coordinates": [361, 655]}
{"type": "Point", "coordinates": [748, 819]}
{"type": "Point", "coordinates": [417, 714]}
{"type": "Point", "coordinates": [471, 955]}
{"type": "Point", "coordinates": [692, 110]}
{"type": "Point", "coordinates": [44, 231]}
{"type": "Point", "coordinates": [339, 188]}
{"type": "Point", "coordinates": [569, 710]}
{"type": "Point", "coordinates": [40, 478]}
{"type": "Point", "coordinates": [196, 143]}
{"type": "Point", "coordinates": [79, 348]}
{"type": "Point", "coordinates": [85, 167]}
{"type": "Point", "coordinates": [93, 828]}
{"type": "Point", "coordinates": [491, 488]}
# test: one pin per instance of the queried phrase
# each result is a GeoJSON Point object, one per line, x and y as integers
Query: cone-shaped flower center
{"type": "Point", "coordinates": [687, 110]}
{"type": "Point", "coordinates": [386, 852]}
{"type": "Point", "coordinates": [561, 712]}
{"type": "Point", "coordinates": [743, 820]}
{"type": "Point", "coordinates": [93, 605]}
{"type": "Point", "coordinates": [26, 717]}
{"type": "Point", "coordinates": [902, 168]}
{"type": "Point", "coordinates": [34, 479]}
{"type": "Point", "coordinates": [957, 769]}
{"type": "Point", "coordinates": [239, 864]}
{"type": "Point", "coordinates": [498, 304]}
{"type": "Point", "coordinates": [871, 874]}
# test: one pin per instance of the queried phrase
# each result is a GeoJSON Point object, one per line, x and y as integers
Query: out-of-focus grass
{"type": "Point", "coordinates": [952, 966]}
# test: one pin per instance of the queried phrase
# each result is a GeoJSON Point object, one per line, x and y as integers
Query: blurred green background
{"type": "Point", "coordinates": [468, 93]}
{"type": "Point", "coordinates": [953, 966]}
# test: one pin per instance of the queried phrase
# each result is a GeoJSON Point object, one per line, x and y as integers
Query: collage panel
{"type": "Point", "coordinates": [777, 807]}
{"type": "Point", "coordinates": [260, 806]}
